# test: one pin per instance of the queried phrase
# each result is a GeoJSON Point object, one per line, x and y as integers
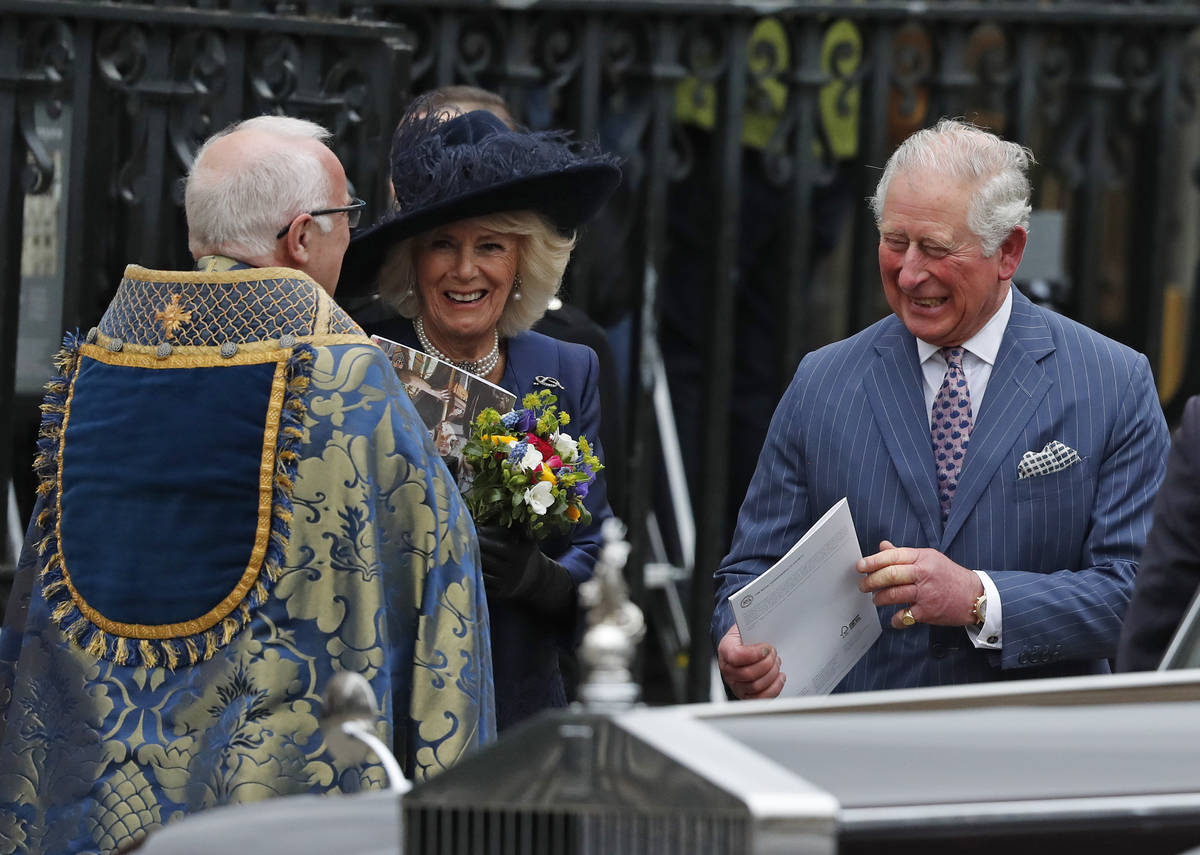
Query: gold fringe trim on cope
{"type": "Point", "coordinates": [189, 642]}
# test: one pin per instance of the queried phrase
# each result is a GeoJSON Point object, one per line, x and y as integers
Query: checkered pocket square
{"type": "Point", "coordinates": [1055, 457]}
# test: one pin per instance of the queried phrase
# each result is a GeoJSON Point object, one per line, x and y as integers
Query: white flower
{"type": "Point", "coordinates": [532, 458]}
{"type": "Point", "coordinates": [567, 448]}
{"type": "Point", "coordinates": [539, 497]}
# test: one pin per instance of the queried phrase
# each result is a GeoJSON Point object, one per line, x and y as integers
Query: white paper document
{"type": "Point", "coordinates": [809, 607]}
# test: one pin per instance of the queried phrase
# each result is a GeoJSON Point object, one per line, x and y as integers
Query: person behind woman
{"type": "Point", "coordinates": [470, 256]}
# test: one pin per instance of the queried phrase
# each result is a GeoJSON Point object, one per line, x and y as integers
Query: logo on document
{"type": "Point", "coordinates": [747, 600]}
{"type": "Point", "coordinates": [849, 626]}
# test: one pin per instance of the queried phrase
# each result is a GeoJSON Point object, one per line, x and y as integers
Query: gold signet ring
{"type": "Point", "coordinates": [907, 618]}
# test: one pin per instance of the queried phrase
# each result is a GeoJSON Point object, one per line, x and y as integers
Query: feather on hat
{"type": "Point", "coordinates": [470, 165]}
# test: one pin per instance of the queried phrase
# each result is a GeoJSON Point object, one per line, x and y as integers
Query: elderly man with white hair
{"type": "Point", "coordinates": [237, 501]}
{"type": "Point", "coordinates": [1000, 460]}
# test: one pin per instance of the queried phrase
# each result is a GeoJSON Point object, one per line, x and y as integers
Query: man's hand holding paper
{"type": "Point", "coordinates": [807, 607]}
{"type": "Point", "coordinates": [752, 671]}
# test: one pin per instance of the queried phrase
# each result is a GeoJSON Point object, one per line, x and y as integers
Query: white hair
{"type": "Point", "coordinates": [239, 211]}
{"type": "Point", "coordinates": [959, 149]}
{"type": "Point", "coordinates": [542, 256]}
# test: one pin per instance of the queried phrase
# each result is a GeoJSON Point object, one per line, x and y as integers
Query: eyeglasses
{"type": "Point", "coordinates": [353, 213]}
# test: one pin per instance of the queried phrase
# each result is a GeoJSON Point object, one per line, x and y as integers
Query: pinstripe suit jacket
{"type": "Point", "coordinates": [1061, 548]}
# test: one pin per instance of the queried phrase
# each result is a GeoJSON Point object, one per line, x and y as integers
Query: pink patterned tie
{"type": "Point", "coordinates": [950, 426]}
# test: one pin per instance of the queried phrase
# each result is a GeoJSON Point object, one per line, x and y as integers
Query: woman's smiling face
{"type": "Point", "coordinates": [465, 273]}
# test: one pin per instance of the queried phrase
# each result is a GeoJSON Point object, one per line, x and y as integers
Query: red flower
{"type": "Point", "coordinates": [541, 445]}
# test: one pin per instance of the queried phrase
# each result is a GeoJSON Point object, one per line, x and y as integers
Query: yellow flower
{"type": "Point", "coordinates": [572, 513]}
{"type": "Point", "coordinates": [547, 475]}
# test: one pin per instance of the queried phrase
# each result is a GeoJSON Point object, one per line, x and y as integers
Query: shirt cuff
{"type": "Point", "coordinates": [990, 636]}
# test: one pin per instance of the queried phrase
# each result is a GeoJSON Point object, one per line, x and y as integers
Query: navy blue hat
{"type": "Point", "coordinates": [469, 165]}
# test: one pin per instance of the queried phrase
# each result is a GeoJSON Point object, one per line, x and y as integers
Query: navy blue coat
{"type": "Point", "coordinates": [525, 645]}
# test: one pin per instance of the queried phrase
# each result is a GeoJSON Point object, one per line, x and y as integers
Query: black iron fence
{"type": "Point", "coordinates": [752, 134]}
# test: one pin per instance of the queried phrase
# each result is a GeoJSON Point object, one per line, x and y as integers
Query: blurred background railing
{"type": "Point", "coordinates": [739, 240]}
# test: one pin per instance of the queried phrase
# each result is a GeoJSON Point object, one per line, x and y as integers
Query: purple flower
{"type": "Point", "coordinates": [510, 419]}
{"type": "Point", "coordinates": [526, 420]}
{"type": "Point", "coordinates": [518, 452]}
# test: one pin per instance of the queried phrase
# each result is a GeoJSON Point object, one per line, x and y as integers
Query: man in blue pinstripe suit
{"type": "Point", "coordinates": [1024, 566]}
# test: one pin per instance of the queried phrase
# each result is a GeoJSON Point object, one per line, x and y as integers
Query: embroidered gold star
{"type": "Point", "coordinates": [172, 316]}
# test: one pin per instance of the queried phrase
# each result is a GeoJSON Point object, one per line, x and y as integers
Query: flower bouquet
{"type": "Point", "coordinates": [527, 471]}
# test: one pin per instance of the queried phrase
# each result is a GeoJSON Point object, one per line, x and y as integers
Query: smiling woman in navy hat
{"type": "Point", "coordinates": [468, 260]}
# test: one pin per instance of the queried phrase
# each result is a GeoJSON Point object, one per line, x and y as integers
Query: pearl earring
{"type": "Point", "coordinates": [516, 288]}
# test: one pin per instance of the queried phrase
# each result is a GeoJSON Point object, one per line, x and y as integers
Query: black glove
{"type": "Point", "coordinates": [515, 569]}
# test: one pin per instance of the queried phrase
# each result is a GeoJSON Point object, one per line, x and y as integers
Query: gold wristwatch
{"type": "Point", "coordinates": [979, 610]}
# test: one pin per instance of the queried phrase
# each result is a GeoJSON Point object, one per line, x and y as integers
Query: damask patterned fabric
{"type": "Point", "coordinates": [237, 501]}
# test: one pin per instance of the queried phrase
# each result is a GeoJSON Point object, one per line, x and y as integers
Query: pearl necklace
{"type": "Point", "coordinates": [483, 367]}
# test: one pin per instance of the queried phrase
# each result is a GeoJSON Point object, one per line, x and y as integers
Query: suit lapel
{"type": "Point", "coordinates": [531, 366]}
{"type": "Point", "coordinates": [1016, 388]}
{"type": "Point", "coordinates": [516, 361]}
{"type": "Point", "coordinates": [894, 387]}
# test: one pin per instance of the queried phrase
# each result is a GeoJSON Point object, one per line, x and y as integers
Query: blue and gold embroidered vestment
{"type": "Point", "coordinates": [237, 500]}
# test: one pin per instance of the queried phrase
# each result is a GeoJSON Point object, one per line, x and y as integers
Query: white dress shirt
{"type": "Point", "coordinates": [978, 359]}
